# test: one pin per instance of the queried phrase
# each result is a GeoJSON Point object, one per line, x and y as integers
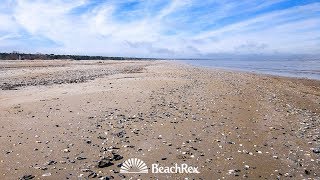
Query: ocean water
{"type": "Point", "coordinates": [282, 67]}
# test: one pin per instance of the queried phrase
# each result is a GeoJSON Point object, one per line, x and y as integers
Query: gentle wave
{"type": "Point", "coordinates": [292, 68]}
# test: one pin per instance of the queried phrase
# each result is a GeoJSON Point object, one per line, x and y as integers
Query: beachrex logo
{"type": "Point", "coordinates": [182, 168]}
{"type": "Point", "coordinates": [135, 165]}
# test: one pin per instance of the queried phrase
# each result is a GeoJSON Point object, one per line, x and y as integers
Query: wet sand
{"type": "Point", "coordinates": [82, 119]}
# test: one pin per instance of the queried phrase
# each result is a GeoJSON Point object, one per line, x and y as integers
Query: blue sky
{"type": "Point", "coordinates": [160, 28]}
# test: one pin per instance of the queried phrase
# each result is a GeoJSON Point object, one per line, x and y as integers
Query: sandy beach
{"type": "Point", "coordinates": [68, 119]}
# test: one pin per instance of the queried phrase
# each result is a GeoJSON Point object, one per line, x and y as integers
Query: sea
{"type": "Point", "coordinates": [300, 68]}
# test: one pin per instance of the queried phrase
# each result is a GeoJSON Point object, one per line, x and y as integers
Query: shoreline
{"type": "Point", "coordinates": [262, 75]}
{"type": "Point", "coordinates": [237, 70]}
{"type": "Point", "coordinates": [228, 124]}
{"type": "Point", "coordinates": [257, 72]}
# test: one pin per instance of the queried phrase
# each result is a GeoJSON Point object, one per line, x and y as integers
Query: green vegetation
{"type": "Point", "coordinates": [23, 56]}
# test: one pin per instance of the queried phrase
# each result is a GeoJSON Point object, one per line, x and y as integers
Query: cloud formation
{"type": "Point", "coordinates": [160, 28]}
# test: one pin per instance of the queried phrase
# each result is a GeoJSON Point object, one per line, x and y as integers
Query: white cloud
{"type": "Point", "coordinates": [275, 29]}
{"type": "Point", "coordinates": [270, 18]}
{"type": "Point", "coordinates": [98, 30]}
{"type": "Point", "coordinates": [172, 7]}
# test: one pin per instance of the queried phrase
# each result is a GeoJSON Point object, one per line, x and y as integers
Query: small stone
{"type": "Point", "coordinates": [92, 175]}
{"type": "Point", "coordinates": [122, 176]}
{"type": "Point", "coordinates": [101, 137]}
{"type": "Point", "coordinates": [86, 170]}
{"type": "Point", "coordinates": [41, 168]}
{"type": "Point", "coordinates": [46, 174]}
{"type": "Point", "coordinates": [72, 161]}
{"type": "Point", "coordinates": [51, 162]}
{"type": "Point", "coordinates": [306, 172]}
{"type": "Point", "coordinates": [27, 177]}
{"type": "Point", "coordinates": [107, 178]}
{"type": "Point", "coordinates": [104, 163]}
{"type": "Point", "coordinates": [80, 158]}
{"type": "Point", "coordinates": [316, 150]}
{"type": "Point", "coordinates": [66, 150]}
{"type": "Point", "coordinates": [117, 157]}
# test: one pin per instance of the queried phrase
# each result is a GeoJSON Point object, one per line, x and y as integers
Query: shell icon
{"type": "Point", "coordinates": [134, 165]}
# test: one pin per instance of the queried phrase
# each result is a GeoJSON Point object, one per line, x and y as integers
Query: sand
{"type": "Point", "coordinates": [82, 119]}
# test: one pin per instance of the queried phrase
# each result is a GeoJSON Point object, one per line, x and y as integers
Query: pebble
{"type": "Point", "coordinates": [66, 150]}
{"type": "Point", "coordinates": [107, 178]}
{"type": "Point", "coordinates": [92, 175]}
{"type": "Point", "coordinates": [46, 174]}
{"type": "Point", "coordinates": [104, 163]}
{"type": "Point", "coordinates": [316, 150]}
{"type": "Point", "coordinates": [117, 157]}
{"type": "Point", "coordinates": [27, 177]}
{"type": "Point", "coordinates": [80, 158]}
{"type": "Point", "coordinates": [51, 162]}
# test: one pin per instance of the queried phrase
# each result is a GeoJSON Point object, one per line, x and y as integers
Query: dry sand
{"type": "Point", "coordinates": [64, 119]}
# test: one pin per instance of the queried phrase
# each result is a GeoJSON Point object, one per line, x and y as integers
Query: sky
{"type": "Point", "coordinates": [160, 28]}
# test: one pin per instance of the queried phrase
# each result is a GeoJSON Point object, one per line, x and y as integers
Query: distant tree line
{"type": "Point", "coordinates": [38, 56]}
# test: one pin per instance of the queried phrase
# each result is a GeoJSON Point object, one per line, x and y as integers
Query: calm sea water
{"type": "Point", "coordinates": [291, 68]}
